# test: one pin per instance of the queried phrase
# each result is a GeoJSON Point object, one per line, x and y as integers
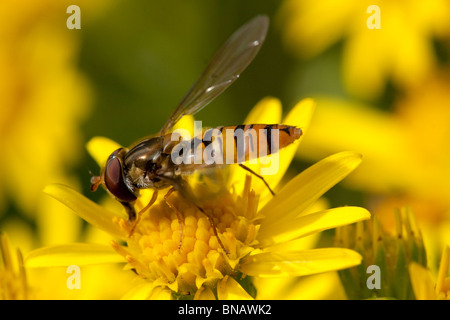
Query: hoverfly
{"type": "Point", "coordinates": [148, 163]}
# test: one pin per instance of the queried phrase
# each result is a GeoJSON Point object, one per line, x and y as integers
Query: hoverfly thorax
{"type": "Point", "coordinates": [143, 163]}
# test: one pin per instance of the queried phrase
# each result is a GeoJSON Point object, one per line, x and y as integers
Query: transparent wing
{"type": "Point", "coordinates": [202, 182]}
{"type": "Point", "coordinates": [224, 68]}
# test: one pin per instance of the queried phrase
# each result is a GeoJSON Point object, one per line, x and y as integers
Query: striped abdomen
{"type": "Point", "coordinates": [237, 144]}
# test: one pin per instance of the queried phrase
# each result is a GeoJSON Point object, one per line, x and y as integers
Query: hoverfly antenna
{"type": "Point", "coordinates": [95, 182]}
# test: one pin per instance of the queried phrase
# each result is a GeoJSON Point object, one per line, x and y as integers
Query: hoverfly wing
{"type": "Point", "coordinates": [225, 67]}
{"type": "Point", "coordinates": [198, 182]}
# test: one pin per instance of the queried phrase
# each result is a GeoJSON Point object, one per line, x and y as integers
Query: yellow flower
{"type": "Point", "coordinates": [184, 258]}
{"type": "Point", "coordinates": [401, 50]}
{"type": "Point", "coordinates": [43, 98]}
{"type": "Point", "coordinates": [406, 152]}
{"type": "Point", "coordinates": [425, 288]}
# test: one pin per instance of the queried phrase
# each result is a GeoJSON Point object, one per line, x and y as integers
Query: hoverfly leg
{"type": "Point", "coordinates": [259, 176]}
{"type": "Point", "coordinates": [180, 216]}
{"type": "Point", "coordinates": [213, 225]}
{"type": "Point", "coordinates": [139, 215]}
{"type": "Point", "coordinates": [129, 208]}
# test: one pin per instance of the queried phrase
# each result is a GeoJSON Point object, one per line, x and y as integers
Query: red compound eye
{"type": "Point", "coordinates": [114, 181]}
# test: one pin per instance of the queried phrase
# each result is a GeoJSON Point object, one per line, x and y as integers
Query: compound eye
{"type": "Point", "coordinates": [114, 181]}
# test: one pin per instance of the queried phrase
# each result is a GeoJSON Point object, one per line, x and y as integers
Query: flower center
{"type": "Point", "coordinates": [177, 247]}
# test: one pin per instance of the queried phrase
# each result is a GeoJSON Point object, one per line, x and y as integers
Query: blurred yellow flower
{"type": "Point", "coordinates": [401, 50]}
{"type": "Point", "coordinates": [187, 261]}
{"type": "Point", "coordinates": [43, 97]}
{"type": "Point", "coordinates": [406, 152]}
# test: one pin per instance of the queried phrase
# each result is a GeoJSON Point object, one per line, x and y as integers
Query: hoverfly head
{"type": "Point", "coordinates": [113, 178]}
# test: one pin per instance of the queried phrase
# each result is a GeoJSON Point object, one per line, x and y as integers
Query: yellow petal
{"type": "Point", "coordinates": [185, 123]}
{"type": "Point", "coordinates": [279, 232]}
{"type": "Point", "coordinates": [299, 263]}
{"type": "Point", "coordinates": [72, 254]}
{"type": "Point", "coordinates": [100, 148]}
{"type": "Point", "coordinates": [230, 289]}
{"type": "Point", "coordinates": [422, 282]}
{"type": "Point", "coordinates": [266, 111]}
{"type": "Point", "coordinates": [139, 292]}
{"type": "Point", "coordinates": [324, 286]}
{"type": "Point", "coordinates": [56, 223]}
{"type": "Point", "coordinates": [87, 209]}
{"type": "Point", "coordinates": [269, 111]}
{"type": "Point", "coordinates": [204, 293]}
{"type": "Point", "coordinates": [302, 191]}
{"type": "Point", "coordinates": [147, 291]}
{"type": "Point", "coordinates": [160, 293]}
{"type": "Point", "coordinates": [300, 116]}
